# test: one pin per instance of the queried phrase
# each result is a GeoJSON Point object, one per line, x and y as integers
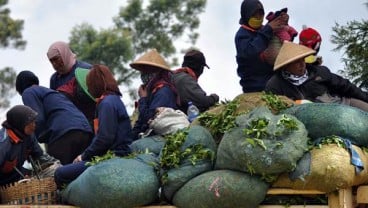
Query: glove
{"type": "Point", "coordinates": [215, 97]}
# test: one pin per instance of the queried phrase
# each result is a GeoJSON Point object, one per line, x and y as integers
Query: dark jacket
{"type": "Point", "coordinates": [320, 81]}
{"type": "Point", "coordinates": [57, 115]}
{"type": "Point", "coordinates": [113, 129]}
{"type": "Point", "coordinates": [253, 71]}
{"type": "Point", "coordinates": [58, 80]}
{"type": "Point", "coordinates": [13, 153]}
{"type": "Point", "coordinates": [189, 90]}
{"type": "Point", "coordinates": [162, 97]}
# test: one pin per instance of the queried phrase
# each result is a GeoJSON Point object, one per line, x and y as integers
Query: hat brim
{"type": "Point", "coordinates": [291, 52]}
{"type": "Point", "coordinates": [81, 77]}
{"type": "Point", "coordinates": [142, 66]}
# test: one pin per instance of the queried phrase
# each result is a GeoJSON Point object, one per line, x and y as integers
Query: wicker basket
{"type": "Point", "coordinates": [30, 191]}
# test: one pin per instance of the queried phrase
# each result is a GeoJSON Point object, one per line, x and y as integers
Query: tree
{"type": "Point", "coordinates": [10, 37]}
{"type": "Point", "coordinates": [139, 26]}
{"type": "Point", "coordinates": [353, 39]}
{"type": "Point", "coordinates": [7, 77]}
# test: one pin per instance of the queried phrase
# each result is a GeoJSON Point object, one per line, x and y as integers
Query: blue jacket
{"type": "Point", "coordinates": [163, 97]}
{"type": "Point", "coordinates": [14, 153]}
{"type": "Point", "coordinates": [58, 80]}
{"type": "Point", "coordinates": [114, 129]}
{"type": "Point", "coordinates": [252, 70]}
{"type": "Point", "coordinates": [57, 115]}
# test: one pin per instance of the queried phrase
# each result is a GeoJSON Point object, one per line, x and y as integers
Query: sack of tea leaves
{"type": "Point", "coordinates": [186, 154]}
{"type": "Point", "coordinates": [222, 188]}
{"type": "Point", "coordinates": [325, 119]}
{"type": "Point", "coordinates": [117, 182]}
{"type": "Point", "coordinates": [329, 168]}
{"type": "Point", "coordinates": [263, 143]}
{"type": "Point", "coordinates": [152, 144]}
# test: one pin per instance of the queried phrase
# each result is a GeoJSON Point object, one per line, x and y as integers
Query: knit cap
{"type": "Point", "coordinates": [19, 116]}
{"type": "Point", "coordinates": [24, 80]}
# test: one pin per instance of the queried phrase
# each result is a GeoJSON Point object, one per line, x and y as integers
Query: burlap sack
{"type": "Point", "coordinates": [330, 170]}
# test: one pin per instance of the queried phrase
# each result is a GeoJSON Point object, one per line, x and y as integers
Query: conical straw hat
{"type": "Point", "coordinates": [290, 52]}
{"type": "Point", "coordinates": [151, 58]}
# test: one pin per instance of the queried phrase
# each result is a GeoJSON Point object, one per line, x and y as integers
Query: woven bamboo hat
{"type": "Point", "coordinates": [290, 52]}
{"type": "Point", "coordinates": [149, 61]}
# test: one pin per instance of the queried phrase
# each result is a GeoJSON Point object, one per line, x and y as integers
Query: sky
{"type": "Point", "coordinates": [48, 21]}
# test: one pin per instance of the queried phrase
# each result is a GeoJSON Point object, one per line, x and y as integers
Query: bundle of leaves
{"type": "Point", "coordinates": [275, 103]}
{"type": "Point", "coordinates": [222, 188]}
{"type": "Point", "coordinates": [263, 144]}
{"type": "Point", "coordinates": [220, 122]}
{"type": "Point", "coordinates": [116, 182]}
{"type": "Point", "coordinates": [97, 159]}
{"type": "Point", "coordinates": [186, 154]}
{"type": "Point", "coordinates": [325, 119]}
{"type": "Point", "coordinates": [221, 118]}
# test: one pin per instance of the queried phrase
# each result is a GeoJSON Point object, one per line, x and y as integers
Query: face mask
{"type": "Point", "coordinates": [146, 77]}
{"type": "Point", "coordinates": [310, 59]}
{"type": "Point", "coordinates": [255, 23]}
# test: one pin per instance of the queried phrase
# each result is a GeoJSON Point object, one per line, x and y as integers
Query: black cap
{"type": "Point", "coordinates": [195, 57]}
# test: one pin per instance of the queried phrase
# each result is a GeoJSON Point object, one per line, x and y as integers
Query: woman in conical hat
{"type": "Point", "coordinates": [155, 91]}
{"type": "Point", "coordinates": [300, 81]}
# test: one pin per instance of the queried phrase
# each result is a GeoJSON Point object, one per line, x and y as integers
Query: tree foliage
{"type": "Point", "coordinates": [10, 37]}
{"type": "Point", "coordinates": [352, 38]}
{"type": "Point", "coordinates": [139, 26]}
{"type": "Point", "coordinates": [10, 29]}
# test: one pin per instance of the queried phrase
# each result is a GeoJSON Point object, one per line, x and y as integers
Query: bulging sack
{"type": "Point", "coordinates": [168, 121]}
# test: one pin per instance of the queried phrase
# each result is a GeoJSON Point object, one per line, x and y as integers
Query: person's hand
{"type": "Point", "coordinates": [279, 22]}
{"type": "Point", "coordinates": [215, 96]}
{"type": "Point", "coordinates": [78, 159]}
{"type": "Point", "coordinates": [142, 91]}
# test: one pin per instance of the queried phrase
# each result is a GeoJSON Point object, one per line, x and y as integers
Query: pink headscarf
{"type": "Point", "coordinates": [62, 49]}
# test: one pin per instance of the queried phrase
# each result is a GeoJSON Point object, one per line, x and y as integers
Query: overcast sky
{"type": "Point", "coordinates": [49, 21]}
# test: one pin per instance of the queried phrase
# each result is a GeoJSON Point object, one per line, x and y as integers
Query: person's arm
{"type": "Point", "coordinates": [31, 99]}
{"type": "Point", "coordinates": [251, 44]}
{"type": "Point", "coordinates": [344, 87]}
{"type": "Point", "coordinates": [193, 92]}
{"type": "Point", "coordinates": [35, 148]}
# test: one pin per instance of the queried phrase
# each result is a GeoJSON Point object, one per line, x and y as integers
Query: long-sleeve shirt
{"type": "Point", "coordinates": [113, 129]}
{"type": "Point", "coordinates": [57, 115]}
{"type": "Point", "coordinates": [13, 153]}
{"type": "Point", "coordinates": [253, 71]}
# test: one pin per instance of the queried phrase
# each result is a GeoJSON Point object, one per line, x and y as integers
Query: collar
{"type": "Point", "coordinates": [188, 71]}
{"type": "Point", "coordinates": [13, 137]}
{"type": "Point", "coordinates": [248, 28]}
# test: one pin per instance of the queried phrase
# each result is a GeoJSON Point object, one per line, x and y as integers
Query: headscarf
{"type": "Point", "coordinates": [247, 9]}
{"type": "Point", "coordinates": [63, 50]}
{"type": "Point", "coordinates": [100, 81]}
{"type": "Point", "coordinates": [18, 117]}
{"type": "Point", "coordinates": [24, 80]}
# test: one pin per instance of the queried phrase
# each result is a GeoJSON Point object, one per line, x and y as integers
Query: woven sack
{"type": "Point", "coordinates": [168, 121]}
{"type": "Point", "coordinates": [330, 170]}
{"type": "Point", "coordinates": [29, 191]}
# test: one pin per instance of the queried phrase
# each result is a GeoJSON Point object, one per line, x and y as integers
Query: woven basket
{"type": "Point", "coordinates": [30, 191]}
